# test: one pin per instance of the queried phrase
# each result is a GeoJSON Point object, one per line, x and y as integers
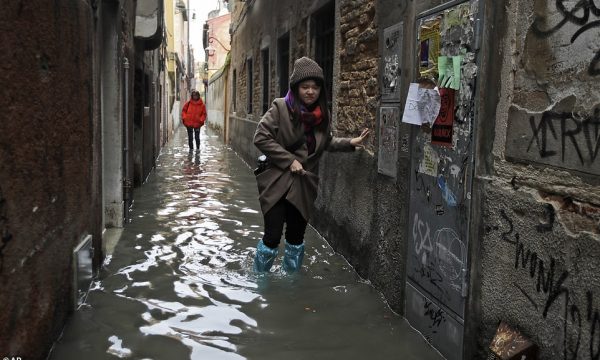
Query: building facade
{"type": "Point", "coordinates": [217, 46]}
{"type": "Point", "coordinates": [71, 151]}
{"type": "Point", "coordinates": [489, 215]}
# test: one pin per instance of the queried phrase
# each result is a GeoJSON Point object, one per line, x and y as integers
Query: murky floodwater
{"type": "Point", "coordinates": [180, 283]}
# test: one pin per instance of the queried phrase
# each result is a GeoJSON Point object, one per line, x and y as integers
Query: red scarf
{"type": "Point", "coordinates": [310, 119]}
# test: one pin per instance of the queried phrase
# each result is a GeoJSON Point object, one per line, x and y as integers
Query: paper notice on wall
{"type": "Point", "coordinates": [431, 104]}
{"type": "Point", "coordinates": [441, 131]}
{"type": "Point", "coordinates": [449, 71]}
{"type": "Point", "coordinates": [429, 47]}
{"type": "Point", "coordinates": [459, 16]}
{"type": "Point", "coordinates": [429, 164]}
{"type": "Point", "coordinates": [389, 123]}
{"type": "Point", "coordinates": [422, 105]}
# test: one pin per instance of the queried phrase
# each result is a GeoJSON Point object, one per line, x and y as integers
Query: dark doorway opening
{"type": "Point", "coordinates": [283, 63]}
{"type": "Point", "coordinates": [264, 54]}
{"type": "Point", "coordinates": [324, 37]}
{"type": "Point", "coordinates": [250, 83]}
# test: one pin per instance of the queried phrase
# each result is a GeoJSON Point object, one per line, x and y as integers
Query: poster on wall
{"type": "Point", "coordinates": [429, 47]}
{"type": "Point", "coordinates": [441, 131]}
{"type": "Point", "coordinates": [389, 122]}
{"type": "Point", "coordinates": [392, 46]}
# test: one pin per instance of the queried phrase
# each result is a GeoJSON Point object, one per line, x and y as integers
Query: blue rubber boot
{"type": "Point", "coordinates": [264, 257]}
{"type": "Point", "coordinates": [292, 260]}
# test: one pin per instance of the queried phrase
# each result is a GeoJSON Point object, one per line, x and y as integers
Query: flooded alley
{"type": "Point", "coordinates": [180, 284]}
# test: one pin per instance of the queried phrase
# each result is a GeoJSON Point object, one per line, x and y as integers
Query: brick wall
{"type": "Point", "coordinates": [357, 97]}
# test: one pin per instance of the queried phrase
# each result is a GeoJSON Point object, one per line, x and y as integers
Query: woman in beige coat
{"type": "Point", "coordinates": [293, 135]}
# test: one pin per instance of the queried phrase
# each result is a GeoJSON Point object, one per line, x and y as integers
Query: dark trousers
{"type": "Point", "coordinates": [196, 133]}
{"type": "Point", "coordinates": [284, 212]}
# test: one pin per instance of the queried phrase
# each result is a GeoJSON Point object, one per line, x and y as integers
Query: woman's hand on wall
{"type": "Point", "coordinates": [358, 141]}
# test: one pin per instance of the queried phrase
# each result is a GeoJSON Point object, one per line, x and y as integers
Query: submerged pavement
{"type": "Point", "coordinates": [180, 284]}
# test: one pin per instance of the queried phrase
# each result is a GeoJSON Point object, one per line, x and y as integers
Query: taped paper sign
{"type": "Point", "coordinates": [429, 164]}
{"type": "Point", "coordinates": [422, 105]}
{"type": "Point", "coordinates": [449, 70]}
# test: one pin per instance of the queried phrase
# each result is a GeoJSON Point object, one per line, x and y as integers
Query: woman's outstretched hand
{"type": "Point", "coordinates": [358, 141]}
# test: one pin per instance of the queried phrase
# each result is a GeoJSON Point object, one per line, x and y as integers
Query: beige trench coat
{"type": "Point", "coordinates": [274, 133]}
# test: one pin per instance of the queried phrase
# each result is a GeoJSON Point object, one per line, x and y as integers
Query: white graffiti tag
{"type": "Point", "coordinates": [422, 239]}
{"type": "Point", "coordinates": [451, 256]}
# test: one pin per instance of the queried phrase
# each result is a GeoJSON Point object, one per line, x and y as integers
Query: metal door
{"type": "Point", "coordinates": [441, 178]}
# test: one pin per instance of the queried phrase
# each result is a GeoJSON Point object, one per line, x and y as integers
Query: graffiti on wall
{"type": "Point", "coordinates": [558, 136]}
{"type": "Point", "coordinates": [441, 159]}
{"type": "Point", "coordinates": [576, 13]}
{"type": "Point", "coordinates": [548, 286]}
{"type": "Point", "coordinates": [442, 254]}
{"type": "Point", "coordinates": [438, 326]}
{"type": "Point", "coordinates": [581, 133]}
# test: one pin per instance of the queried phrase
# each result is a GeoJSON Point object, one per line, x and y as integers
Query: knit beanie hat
{"type": "Point", "coordinates": [306, 68]}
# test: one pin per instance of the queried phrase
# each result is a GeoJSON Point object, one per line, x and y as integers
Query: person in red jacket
{"type": "Point", "coordinates": [194, 115]}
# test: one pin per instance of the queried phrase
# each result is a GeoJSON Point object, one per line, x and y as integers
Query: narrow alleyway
{"type": "Point", "coordinates": [180, 285]}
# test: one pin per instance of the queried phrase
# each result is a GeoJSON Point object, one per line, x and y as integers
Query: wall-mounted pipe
{"type": "Point", "coordinates": [126, 181]}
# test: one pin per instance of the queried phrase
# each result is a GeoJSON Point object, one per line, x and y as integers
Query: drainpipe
{"type": "Point", "coordinates": [126, 181]}
{"type": "Point", "coordinates": [226, 108]}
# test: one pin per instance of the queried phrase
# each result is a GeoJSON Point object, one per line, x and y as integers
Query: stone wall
{"type": "Point", "coordinates": [359, 67]}
{"type": "Point", "coordinates": [541, 195]}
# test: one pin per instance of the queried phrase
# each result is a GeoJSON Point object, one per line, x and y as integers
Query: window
{"type": "Point", "coordinates": [249, 80]}
{"type": "Point", "coordinates": [234, 90]}
{"type": "Point", "coordinates": [324, 43]}
{"type": "Point", "coordinates": [283, 63]}
{"type": "Point", "coordinates": [265, 79]}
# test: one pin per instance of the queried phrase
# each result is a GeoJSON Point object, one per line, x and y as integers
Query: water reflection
{"type": "Point", "coordinates": [180, 283]}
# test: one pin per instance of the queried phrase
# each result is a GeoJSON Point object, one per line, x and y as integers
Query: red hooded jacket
{"type": "Point", "coordinates": [194, 113]}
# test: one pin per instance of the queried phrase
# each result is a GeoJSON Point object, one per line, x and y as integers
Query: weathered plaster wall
{"type": "Point", "coordinates": [540, 194]}
{"type": "Point", "coordinates": [216, 102]}
{"type": "Point", "coordinates": [46, 165]}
